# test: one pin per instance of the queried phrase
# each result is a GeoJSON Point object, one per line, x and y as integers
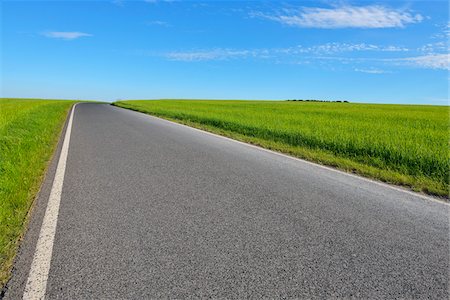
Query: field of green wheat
{"type": "Point", "coordinates": [29, 131]}
{"type": "Point", "coordinates": [401, 144]}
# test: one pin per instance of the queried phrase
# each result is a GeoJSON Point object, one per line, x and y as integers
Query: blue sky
{"type": "Point", "coordinates": [380, 52]}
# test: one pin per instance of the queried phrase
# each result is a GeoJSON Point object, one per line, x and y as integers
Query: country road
{"type": "Point", "coordinates": [153, 209]}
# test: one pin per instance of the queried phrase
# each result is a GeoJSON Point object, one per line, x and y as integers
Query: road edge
{"type": "Point", "coordinates": [368, 179]}
{"type": "Point", "coordinates": [34, 219]}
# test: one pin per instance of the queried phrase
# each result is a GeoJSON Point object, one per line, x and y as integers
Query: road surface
{"type": "Point", "coordinates": [153, 209]}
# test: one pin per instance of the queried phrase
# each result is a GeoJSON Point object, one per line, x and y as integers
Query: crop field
{"type": "Point", "coordinates": [401, 144]}
{"type": "Point", "coordinates": [29, 131]}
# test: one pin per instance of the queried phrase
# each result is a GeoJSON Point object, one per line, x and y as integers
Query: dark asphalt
{"type": "Point", "coordinates": [151, 209]}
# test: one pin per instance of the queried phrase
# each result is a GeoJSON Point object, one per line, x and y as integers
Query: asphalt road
{"type": "Point", "coordinates": [152, 209]}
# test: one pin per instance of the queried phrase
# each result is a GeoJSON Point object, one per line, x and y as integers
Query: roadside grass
{"type": "Point", "coordinates": [29, 131]}
{"type": "Point", "coordinates": [405, 145]}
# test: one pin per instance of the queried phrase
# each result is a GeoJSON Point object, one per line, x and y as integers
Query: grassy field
{"type": "Point", "coordinates": [401, 144]}
{"type": "Point", "coordinates": [29, 131]}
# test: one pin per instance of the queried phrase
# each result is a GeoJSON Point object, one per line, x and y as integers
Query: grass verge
{"type": "Point", "coordinates": [29, 132]}
{"type": "Point", "coordinates": [406, 145]}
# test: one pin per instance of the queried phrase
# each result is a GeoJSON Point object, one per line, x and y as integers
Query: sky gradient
{"type": "Point", "coordinates": [361, 51]}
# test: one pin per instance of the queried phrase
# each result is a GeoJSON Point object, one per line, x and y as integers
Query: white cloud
{"type": "Point", "coordinates": [444, 32]}
{"type": "Point", "coordinates": [203, 55]}
{"type": "Point", "coordinates": [118, 2]}
{"type": "Point", "coordinates": [66, 35]}
{"type": "Point", "coordinates": [158, 23]}
{"type": "Point", "coordinates": [431, 48]}
{"type": "Point", "coordinates": [342, 47]}
{"type": "Point", "coordinates": [264, 53]}
{"type": "Point", "coordinates": [319, 54]}
{"type": "Point", "coordinates": [431, 61]}
{"type": "Point", "coordinates": [371, 71]}
{"type": "Point", "coordinates": [373, 16]}
{"type": "Point", "coordinates": [156, 1]}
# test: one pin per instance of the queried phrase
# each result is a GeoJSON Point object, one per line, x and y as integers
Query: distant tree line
{"type": "Point", "coordinates": [313, 100]}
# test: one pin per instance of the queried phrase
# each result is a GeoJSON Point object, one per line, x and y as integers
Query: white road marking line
{"type": "Point", "coordinates": [425, 197]}
{"type": "Point", "coordinates": [40, 267]}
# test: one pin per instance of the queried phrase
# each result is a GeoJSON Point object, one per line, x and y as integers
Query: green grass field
{"type": "Point", "coordinates": [29, 131]}
{"type": "Point", "coordinates": [401, 144]}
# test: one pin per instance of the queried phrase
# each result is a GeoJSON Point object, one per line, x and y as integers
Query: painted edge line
{"type": "Point", "coordinates": [425, 197]}
{"type": "Point", "coordinates": [37, 279]}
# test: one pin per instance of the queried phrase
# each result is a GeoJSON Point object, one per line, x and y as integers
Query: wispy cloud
{"type": "Point", "coordinates": [65, 35]}
{"type": "Point", "coordinates": [158, 1]}
{"type": "Point", "coordinates": [204, 55]}
{"type": "Point", "coordinates": [437, 47]}
{"type": "Point", "coordinates": [373, 16]}
{"type": "Point", "coordinates": [371, 71]}
{"type": "Point", "coordinates": [264, 53]}
{"type": "Point", "coordinates": [118, 2]}
{"type": "Point", "coordinates": [320, 54]}
{"type": "Point", "coordinates": [431, 61]}
{"type": "Point", "coordinates": [343, 47]}
{"type": "Point", "coordinates": [157, 23]}
{"type": "Point", "coordinates": [444, 32]}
